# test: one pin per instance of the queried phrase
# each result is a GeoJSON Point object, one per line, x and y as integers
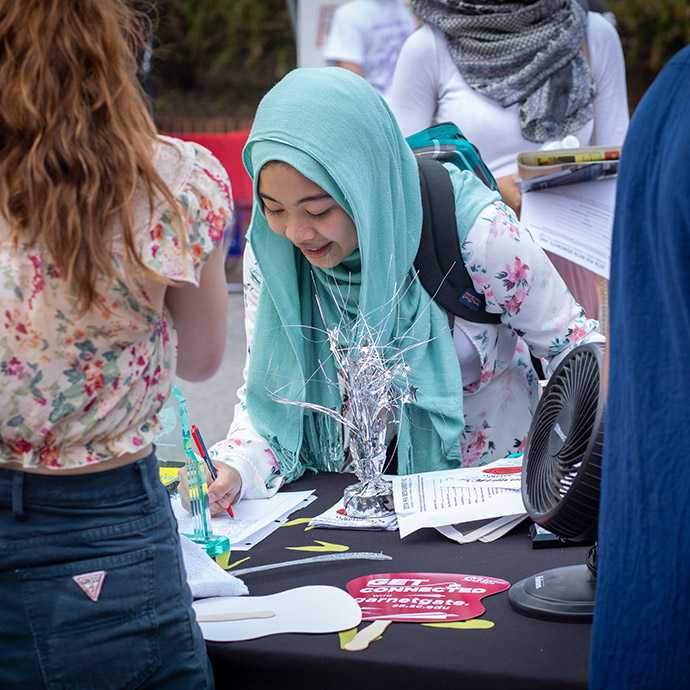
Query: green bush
{"type": "Point", "coordinates": [220, 43]}
{"type": "Point", "coordinates": [227, 53]}
{"type": "Point", "coordinates": [651, 31]}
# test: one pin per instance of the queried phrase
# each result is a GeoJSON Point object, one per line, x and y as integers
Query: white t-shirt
{"type": "Point", "coordinates": [370, 33]}
{"type": "Point", "coordinates": [428, 89]}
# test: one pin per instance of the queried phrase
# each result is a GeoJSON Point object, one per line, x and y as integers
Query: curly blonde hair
{"type": "Point", "coordinates": [76, 136]}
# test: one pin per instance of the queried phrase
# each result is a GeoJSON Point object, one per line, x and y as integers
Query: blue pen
{"type": "Point", "coordinates": [196, 435]}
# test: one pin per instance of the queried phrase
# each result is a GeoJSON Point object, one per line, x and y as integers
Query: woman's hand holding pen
{"type": "Point", "coordinates": [222, 491]}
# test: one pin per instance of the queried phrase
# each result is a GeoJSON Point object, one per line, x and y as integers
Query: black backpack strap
{"type": "Point", "coordinates": [439, 263]}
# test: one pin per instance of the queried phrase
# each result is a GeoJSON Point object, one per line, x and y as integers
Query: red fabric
{"type": "Point", "coordinates": [227, 147]}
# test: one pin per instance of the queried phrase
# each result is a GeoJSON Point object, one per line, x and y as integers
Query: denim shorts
{"type": "Point", "coordinates": [93, 593]}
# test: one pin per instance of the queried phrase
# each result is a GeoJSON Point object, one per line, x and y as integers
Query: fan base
{"type": "Point", "coordinates": [561, 594]}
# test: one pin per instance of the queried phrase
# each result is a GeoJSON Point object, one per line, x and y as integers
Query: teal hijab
{"type": "Point", "coordinates": [331, 126]}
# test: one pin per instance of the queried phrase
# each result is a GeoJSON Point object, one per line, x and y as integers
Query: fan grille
{"type": "Point", "coordinates": [562, 465]}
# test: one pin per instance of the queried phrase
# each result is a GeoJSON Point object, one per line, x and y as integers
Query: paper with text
{"type": "Point", "coordinates": [434, 499]}
{"type": "Point", "coordinates": [574, 221]}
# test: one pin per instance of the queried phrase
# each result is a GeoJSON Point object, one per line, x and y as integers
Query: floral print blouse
{"type": "Point", "coordinates": [77, 389]}
{"type": "Point", "coordinates": [502, 388]}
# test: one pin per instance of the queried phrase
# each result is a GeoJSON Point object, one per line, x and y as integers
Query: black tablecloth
{"type": "Point", "coordinates": [518, 652]}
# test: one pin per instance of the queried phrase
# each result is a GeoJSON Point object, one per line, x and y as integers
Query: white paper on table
{"type": "Point", "coordinates": [254, 519]}
{"type": "Point", "coordinates": [435, 499]}
{"type": "Point", "coordinates": [504, 528]}
{"type": "Point", "coordinates": [255, 537]}
{"type": "Point", "coordinates": [486, 531]}
{"type": "Point", "coordinates": [335, 517]}
{"type": "Point", "coordinates": [574, 221]}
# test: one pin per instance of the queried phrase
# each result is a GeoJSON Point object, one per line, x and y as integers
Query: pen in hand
{"type": "Point", "coordinates": [196, 435]}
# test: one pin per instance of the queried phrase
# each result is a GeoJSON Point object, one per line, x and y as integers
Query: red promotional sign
{"type": "Point", "coordinates": [423, 597]}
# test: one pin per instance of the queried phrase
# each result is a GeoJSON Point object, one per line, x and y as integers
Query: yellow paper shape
{"type": "Point", "coordinates": [231, 565]}
{"type": "Point", "coordinates": [222, 559]}
{"type": "Point", "coordinates": [296, 521]}
{"type": "Point", "coordinates": [346, 635]}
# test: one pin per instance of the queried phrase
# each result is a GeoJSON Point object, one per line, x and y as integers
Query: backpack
{"type": "Point", "coordinates": [439, 264]}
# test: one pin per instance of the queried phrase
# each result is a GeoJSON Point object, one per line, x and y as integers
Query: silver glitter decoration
{"type": "Point", "coordinates": [373, 384]}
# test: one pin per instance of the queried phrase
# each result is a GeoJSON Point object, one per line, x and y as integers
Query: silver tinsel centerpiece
{"type": "Point", "coordinates": [373, 384]}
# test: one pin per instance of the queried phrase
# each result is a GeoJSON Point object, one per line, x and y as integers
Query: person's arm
{"type": "Point", "coordinates": [611, 113]}
{"type": "Point", "coordinates": [413, 95]}
{"type": "Point", "coordinates": [244, 462]}
{"type": "Point", "coordinates": [199, 314]}
{"type": "Point", "coordinates": [191, 256]}
{"type": "Point", "coordinates": [345, 44]}
{"type": "Point", "coordinates": [352, 66]}
{"type": "Point", "coordinates": [198, 299]}
{"type": "Point", "coordinates": [510, 192]}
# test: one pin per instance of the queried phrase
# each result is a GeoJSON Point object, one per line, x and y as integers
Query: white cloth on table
{"type": "Point", "coordinates": [205, 577]}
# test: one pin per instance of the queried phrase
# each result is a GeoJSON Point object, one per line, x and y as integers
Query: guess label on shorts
{"type": "Point", "coordinates": [91, 583]}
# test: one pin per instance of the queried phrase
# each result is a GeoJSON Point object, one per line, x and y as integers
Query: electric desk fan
{"type": "Point", "coordinates": [560, 483]}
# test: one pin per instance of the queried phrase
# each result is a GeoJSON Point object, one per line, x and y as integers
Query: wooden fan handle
{"type": "Point", "coordinates": [366, 635]}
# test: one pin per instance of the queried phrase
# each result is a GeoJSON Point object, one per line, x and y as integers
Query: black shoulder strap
{"type": "Point", "coordinates": [439, 263]}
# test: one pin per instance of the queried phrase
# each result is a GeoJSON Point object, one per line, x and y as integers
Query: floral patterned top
{"type": "Point", "coordinates": [77, 389]}
{"type": "Point", "coordinates": [501, 387]}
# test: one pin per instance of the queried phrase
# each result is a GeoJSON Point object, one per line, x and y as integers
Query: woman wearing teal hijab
{"type": "Point", "coordinates": [335, 228]}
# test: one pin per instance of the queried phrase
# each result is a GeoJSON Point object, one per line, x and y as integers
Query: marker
{"type": "Point", "coordinates": [196, 435]}
{"type": "Point", "coordinates": [558, 158]}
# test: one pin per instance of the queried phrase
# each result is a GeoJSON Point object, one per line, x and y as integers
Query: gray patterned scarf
{"type": "Point", "coordinates": [526, 52]}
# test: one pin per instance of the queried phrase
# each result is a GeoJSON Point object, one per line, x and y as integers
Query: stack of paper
{"type": "Point", "coordinates": [254, 519]}
{"type": "Point", "coordinates": [553, 168]}
{"type": "Point", "coordinates": [481, 530]}
{"type": "Point", "coordinates": [455, 500]}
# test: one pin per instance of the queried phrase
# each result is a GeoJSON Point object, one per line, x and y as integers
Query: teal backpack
{"type": "Point", "coordinates": [447, 144]}
{"type": "Point", "coordinates": [439, 263]}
